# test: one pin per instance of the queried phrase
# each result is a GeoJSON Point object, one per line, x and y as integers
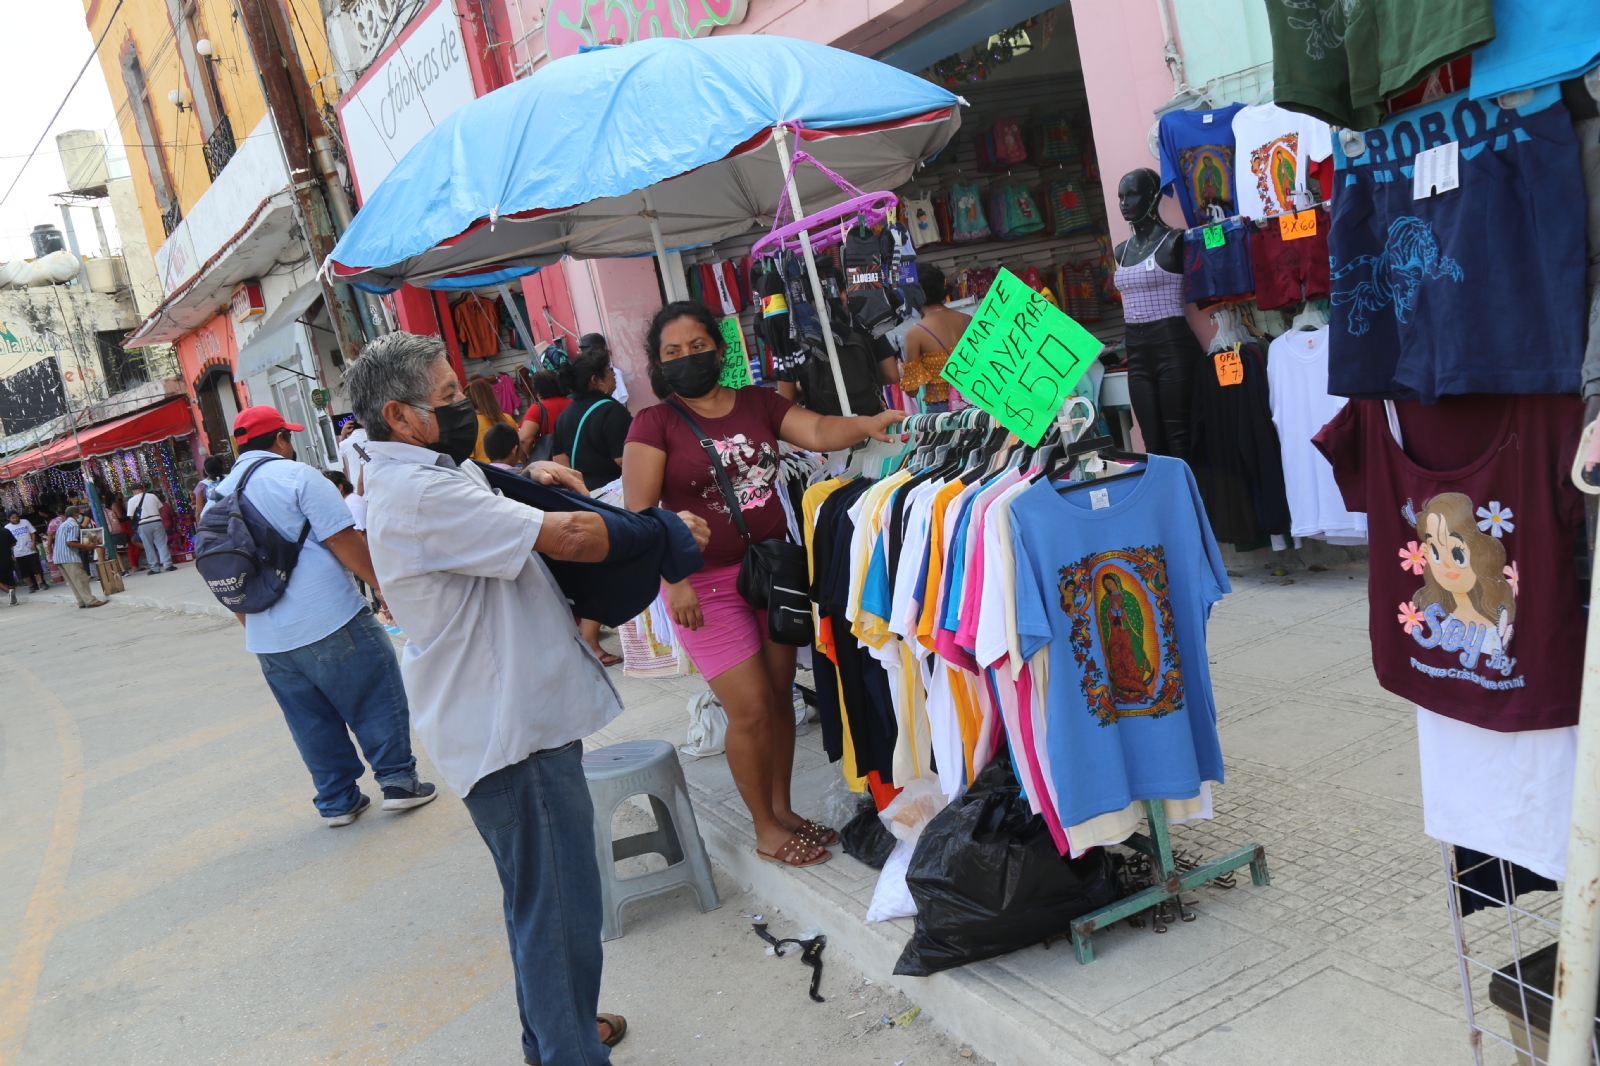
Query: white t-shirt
{"type": "Point", "coordinates": [350, 458]}
{"type": "Point", "coordinates": [1271, 149]}
{"type": "Point", "coordinates": [23, 531]}
{"type": "Point", "coordinates": [1297, 382]}
{"type": "Point", "coordinates": [358, 509]}
{"type": "Point", "coordinates": [144, 507]}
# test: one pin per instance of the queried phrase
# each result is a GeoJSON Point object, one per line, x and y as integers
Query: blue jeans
{"type": "Point", "coordinates": [347, 682]}
{"type": "Point", "coordinates": [538, 820]}
{"type": "Point", "coordinates": [154, 537]}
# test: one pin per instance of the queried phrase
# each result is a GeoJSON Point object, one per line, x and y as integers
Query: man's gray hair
{"type": "Point", "coordinates": [396, 366]}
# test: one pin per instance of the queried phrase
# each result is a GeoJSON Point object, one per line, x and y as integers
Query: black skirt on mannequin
{"type": "Point", "coordinates": [1162, 356]}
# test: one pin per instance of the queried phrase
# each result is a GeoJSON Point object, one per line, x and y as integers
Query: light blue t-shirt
{"type": "Point", "coordinates": [1121, 593]}
{"type": "Point", "coordinates": [1536, 43]}
{"type": "Point", "coordinates": [320, 597]}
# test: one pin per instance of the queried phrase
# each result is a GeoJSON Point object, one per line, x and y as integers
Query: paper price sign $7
{"type": "Point", "coordinates": [1020, 357]}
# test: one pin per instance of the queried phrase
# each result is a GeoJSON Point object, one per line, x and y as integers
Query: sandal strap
{"type": "Point", "coordinates": [792, 847]}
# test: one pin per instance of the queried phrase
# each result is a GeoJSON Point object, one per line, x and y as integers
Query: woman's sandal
{"type": "Point", "coordinates": [608, 659]}
{"type": "Point", "coordinates": [792, 849]}
{"type": "Point", "coordinates": [816, 833]}
{"type": "Point", "coordinates": [619, 1029]}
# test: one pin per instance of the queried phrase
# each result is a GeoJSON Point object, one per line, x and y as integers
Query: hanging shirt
{"type": "Point", "coordinates": [1118, 580]}
{"type": "Point", "coordinates": [1198, 157]}
{"type": "Point", "coordinates": [1453, 551]}
{"type": "Point", "coordinates": [1536, 43]}
{"type": "Point", "coordinates": [1297, 375]}
{"type": "Point", "coordinates": [1273, 148]}
{"type": "Point", "coordinates": [1429, 295]}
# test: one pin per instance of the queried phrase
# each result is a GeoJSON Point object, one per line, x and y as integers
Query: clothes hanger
{"type": "Point", "coordinates": [1311, 317]}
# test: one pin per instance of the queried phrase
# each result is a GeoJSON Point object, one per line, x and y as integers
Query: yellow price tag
{"type": "Point", "coordinates": [1300, 224]}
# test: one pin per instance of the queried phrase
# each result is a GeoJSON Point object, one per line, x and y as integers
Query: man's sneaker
{"type": "Point", "coordinates": [13, 597]}
{"type": "Point", "coordinates": [352, 814]}
{"type": "Point", "coordinates": [171, 569]}
{"type": "Point", "coordinates": [396, 798]}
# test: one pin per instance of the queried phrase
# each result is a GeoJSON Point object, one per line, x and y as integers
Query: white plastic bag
{"type": "Point", "coordinates": [910, 810]}
{"type": "Point", "coordinates": [708, 726]}
{"type": "Point", "coordinates": [892, 899]}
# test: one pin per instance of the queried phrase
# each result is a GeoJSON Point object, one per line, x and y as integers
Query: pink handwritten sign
{"type": "Point", "coordinates": [572, 24]}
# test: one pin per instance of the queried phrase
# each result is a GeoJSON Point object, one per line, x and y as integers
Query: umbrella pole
{"type": "Point", "coordinates": [781, 140]}
{"type": "Point", "coordinates": [671, 280]}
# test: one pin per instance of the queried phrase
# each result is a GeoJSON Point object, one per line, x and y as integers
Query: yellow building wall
{"type": "Point", "coordinates": [147, 24]}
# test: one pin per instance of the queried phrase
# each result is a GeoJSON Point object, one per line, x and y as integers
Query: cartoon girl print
{"type": "Point", "coordinates": [752, 471]}
{"type": "Point", "coordinates": [1467, 601]}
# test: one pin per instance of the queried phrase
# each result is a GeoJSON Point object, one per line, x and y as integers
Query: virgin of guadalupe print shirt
{"type": "Point", "coordinates": [1474, 609]}
{"type": "Point", "coordinates": [1118, 580]}
{"type": "Point", "coordinates": [1197, 156]}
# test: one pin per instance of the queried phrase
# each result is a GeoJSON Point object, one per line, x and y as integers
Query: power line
{"type": "Point", "coordinates": [46, 132]}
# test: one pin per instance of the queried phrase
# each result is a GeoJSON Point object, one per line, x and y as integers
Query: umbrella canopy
{"type": "Point", "coordinates": [558, 163]}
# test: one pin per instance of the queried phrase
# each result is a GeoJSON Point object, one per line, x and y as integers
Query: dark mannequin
{"type": "Point", "coordinates": [1162, 350]}
{"type": "Point", "coordinates": [1139, 198]}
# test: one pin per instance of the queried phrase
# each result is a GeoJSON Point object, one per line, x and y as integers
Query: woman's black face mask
{"type": "Point", "coordinates": [693, 375]}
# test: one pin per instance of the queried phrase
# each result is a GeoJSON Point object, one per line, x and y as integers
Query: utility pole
{"type": "Point", "coordinates": [293, 110]}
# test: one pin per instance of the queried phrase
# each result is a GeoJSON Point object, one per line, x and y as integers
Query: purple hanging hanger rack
{"type": "Point", "coordinates": [872, 208]}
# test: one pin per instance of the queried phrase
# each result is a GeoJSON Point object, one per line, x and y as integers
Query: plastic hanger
{"type": "Point", "coordinates": [1311, 317]}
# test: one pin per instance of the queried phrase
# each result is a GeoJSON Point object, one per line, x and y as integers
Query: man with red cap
{"type": "Point", "coordinates": [327, 660]}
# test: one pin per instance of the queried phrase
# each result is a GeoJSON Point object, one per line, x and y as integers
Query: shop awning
{"type": "Point", "coordinates": [170, 419]}
{"type": "Point", "coordinates": [273, 342]}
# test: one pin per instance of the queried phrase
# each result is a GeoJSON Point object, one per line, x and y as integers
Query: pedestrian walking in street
{"type": "Point", "coordinates": [504, 723]}
{"type": "Point", "coordinates": [144, 513]}
{"type": "Point", "coordinates": [327, 660]}
{"type": "Point", "coordinates": [64, 553]}
{"type": "Point", "coordinates": [26, 551]}
{"type": "Point", "coordinates": [8, 577]}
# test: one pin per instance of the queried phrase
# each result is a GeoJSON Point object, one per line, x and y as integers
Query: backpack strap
{"type": "Point", "coordinates": [544, 418]}
{"type": "Point", "coordinates": [578, 436]}
{"type": "Point", "coordinates": [245, 480]}
{"type": "Point", "coordinates": [717, 468]}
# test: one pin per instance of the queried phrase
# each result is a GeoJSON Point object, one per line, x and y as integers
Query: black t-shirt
{"type": "Point", "coordinates": [596, 455]}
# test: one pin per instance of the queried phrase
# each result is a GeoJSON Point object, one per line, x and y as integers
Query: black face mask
{"type": "Point", "coordinates": [692, 376]}
{"type": "Point", "coordinates": [458, 430]}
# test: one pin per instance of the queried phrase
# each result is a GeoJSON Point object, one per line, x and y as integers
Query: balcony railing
{"type": "Point", "coordinates": [219, 148]}
{"type": "Point", "coordinates": [171, 217]}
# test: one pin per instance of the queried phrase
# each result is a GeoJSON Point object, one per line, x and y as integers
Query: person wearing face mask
{"type": "Point", "coordinates": [328, 662]}
{"type": "Point", "coordinates": [726, 638]}
{"type": "Point", "coordinates": [503, 689]}
{"type": "Point", "coordinates": [591, 431]}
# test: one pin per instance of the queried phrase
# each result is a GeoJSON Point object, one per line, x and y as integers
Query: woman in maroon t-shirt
{"type": "Point", "coordinates": [663, 463]}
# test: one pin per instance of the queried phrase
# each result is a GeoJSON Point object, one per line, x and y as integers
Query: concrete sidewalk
{"type": "Point", "coordinates": [1346, 958]}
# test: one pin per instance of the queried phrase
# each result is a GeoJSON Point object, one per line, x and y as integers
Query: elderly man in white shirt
{"type": "Point", "coordinates": [502, 687]}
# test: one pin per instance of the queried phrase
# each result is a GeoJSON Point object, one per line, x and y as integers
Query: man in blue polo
{"type": "Point", "coordinates": [327, 660]}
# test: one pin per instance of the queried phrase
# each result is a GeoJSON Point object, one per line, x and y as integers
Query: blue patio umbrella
{"type": "Point", "coordinates": [663, 144]}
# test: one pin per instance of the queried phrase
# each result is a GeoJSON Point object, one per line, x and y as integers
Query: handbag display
{"type": "Point", "coordinates": [775, 574]}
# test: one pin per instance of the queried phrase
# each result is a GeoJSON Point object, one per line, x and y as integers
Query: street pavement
{"type": "Point", "coordinates": [168, 896]}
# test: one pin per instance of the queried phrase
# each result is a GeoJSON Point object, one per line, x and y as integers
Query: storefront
{"type": "Point", "coordinates": [206, 358]}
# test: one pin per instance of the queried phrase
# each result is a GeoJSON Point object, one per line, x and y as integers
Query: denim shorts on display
{"type": "Point", "coordinates": [733, 630]}
{"type": "Point", "coordinates": [1289, 272]}
{"type": "Point", "coordinates": [1211, 275]}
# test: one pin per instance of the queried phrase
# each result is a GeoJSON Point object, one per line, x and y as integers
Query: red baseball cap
{"type": "Point", "coordinates": [258, 421]}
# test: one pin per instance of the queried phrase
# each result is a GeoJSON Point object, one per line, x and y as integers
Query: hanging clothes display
{"type": "Point", "coordinates": [1277, 150]}
{"type": "Point", "coordinates": [1297, 379]}
{"type": "Point", "coordinates": [1234, 447]}
{"type": "Point", "coordinates": [477, 324]}
{"type": "Point", "coordinates": [1421, 287]}
{"type": "Point", "coordinates": [1198, 160]}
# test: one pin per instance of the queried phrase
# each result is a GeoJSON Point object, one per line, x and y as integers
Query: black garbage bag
{"type": "Point", "coordinates": [865, 839]}
{"type": "Point", "coordinates": [987, 879]}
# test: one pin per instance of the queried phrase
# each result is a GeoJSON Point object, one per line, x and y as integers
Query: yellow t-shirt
{"type": "Point", "coordinates": [483, 427]}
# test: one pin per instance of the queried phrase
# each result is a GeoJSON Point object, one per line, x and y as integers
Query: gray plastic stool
{"type": "Point", "coordinates": [649, 767]}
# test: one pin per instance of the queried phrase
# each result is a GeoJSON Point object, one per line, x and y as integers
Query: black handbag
{"type": "Point", "coordinates": [775, 573]}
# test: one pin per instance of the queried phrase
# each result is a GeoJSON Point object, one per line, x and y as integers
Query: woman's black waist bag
{"type": "Point", "coordinates": [646, 548]}
{"type": "Point", "coordinates": [774, 574]}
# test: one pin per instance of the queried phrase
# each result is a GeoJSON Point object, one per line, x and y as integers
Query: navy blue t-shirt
{"type": "Point", "coordinates": [1197, 151]}
{"type": "Point", "coordinates": [1479, 289]}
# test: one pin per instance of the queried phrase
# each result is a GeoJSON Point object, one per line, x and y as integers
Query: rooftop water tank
{"type": "Point", "coordinates": [47, 239]}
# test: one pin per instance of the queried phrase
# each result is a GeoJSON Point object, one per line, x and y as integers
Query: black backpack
{"type": "Point", "coordinates": [246, 562]}
{"type": "Point", "coordinates": [861, 379]}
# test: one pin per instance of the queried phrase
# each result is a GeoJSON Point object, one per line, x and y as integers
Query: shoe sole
{"type": "Point", "coordinates": [345, 819]}
{"type": "Point", "coordinates": [407, 804]}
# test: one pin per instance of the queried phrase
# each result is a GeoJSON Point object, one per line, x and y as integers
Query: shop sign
{"type": "Point", "coordinates": [246, 301]}
{"type": "Point", "coordinates": [419, 80]}
{"type": "Point", "coordinates": [1020, 357]}
{"type": "Point", "coordinates": [572, 24]}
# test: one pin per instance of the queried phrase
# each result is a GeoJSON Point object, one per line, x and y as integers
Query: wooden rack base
{"type": "Point", "coordinates": [1170, 881]}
